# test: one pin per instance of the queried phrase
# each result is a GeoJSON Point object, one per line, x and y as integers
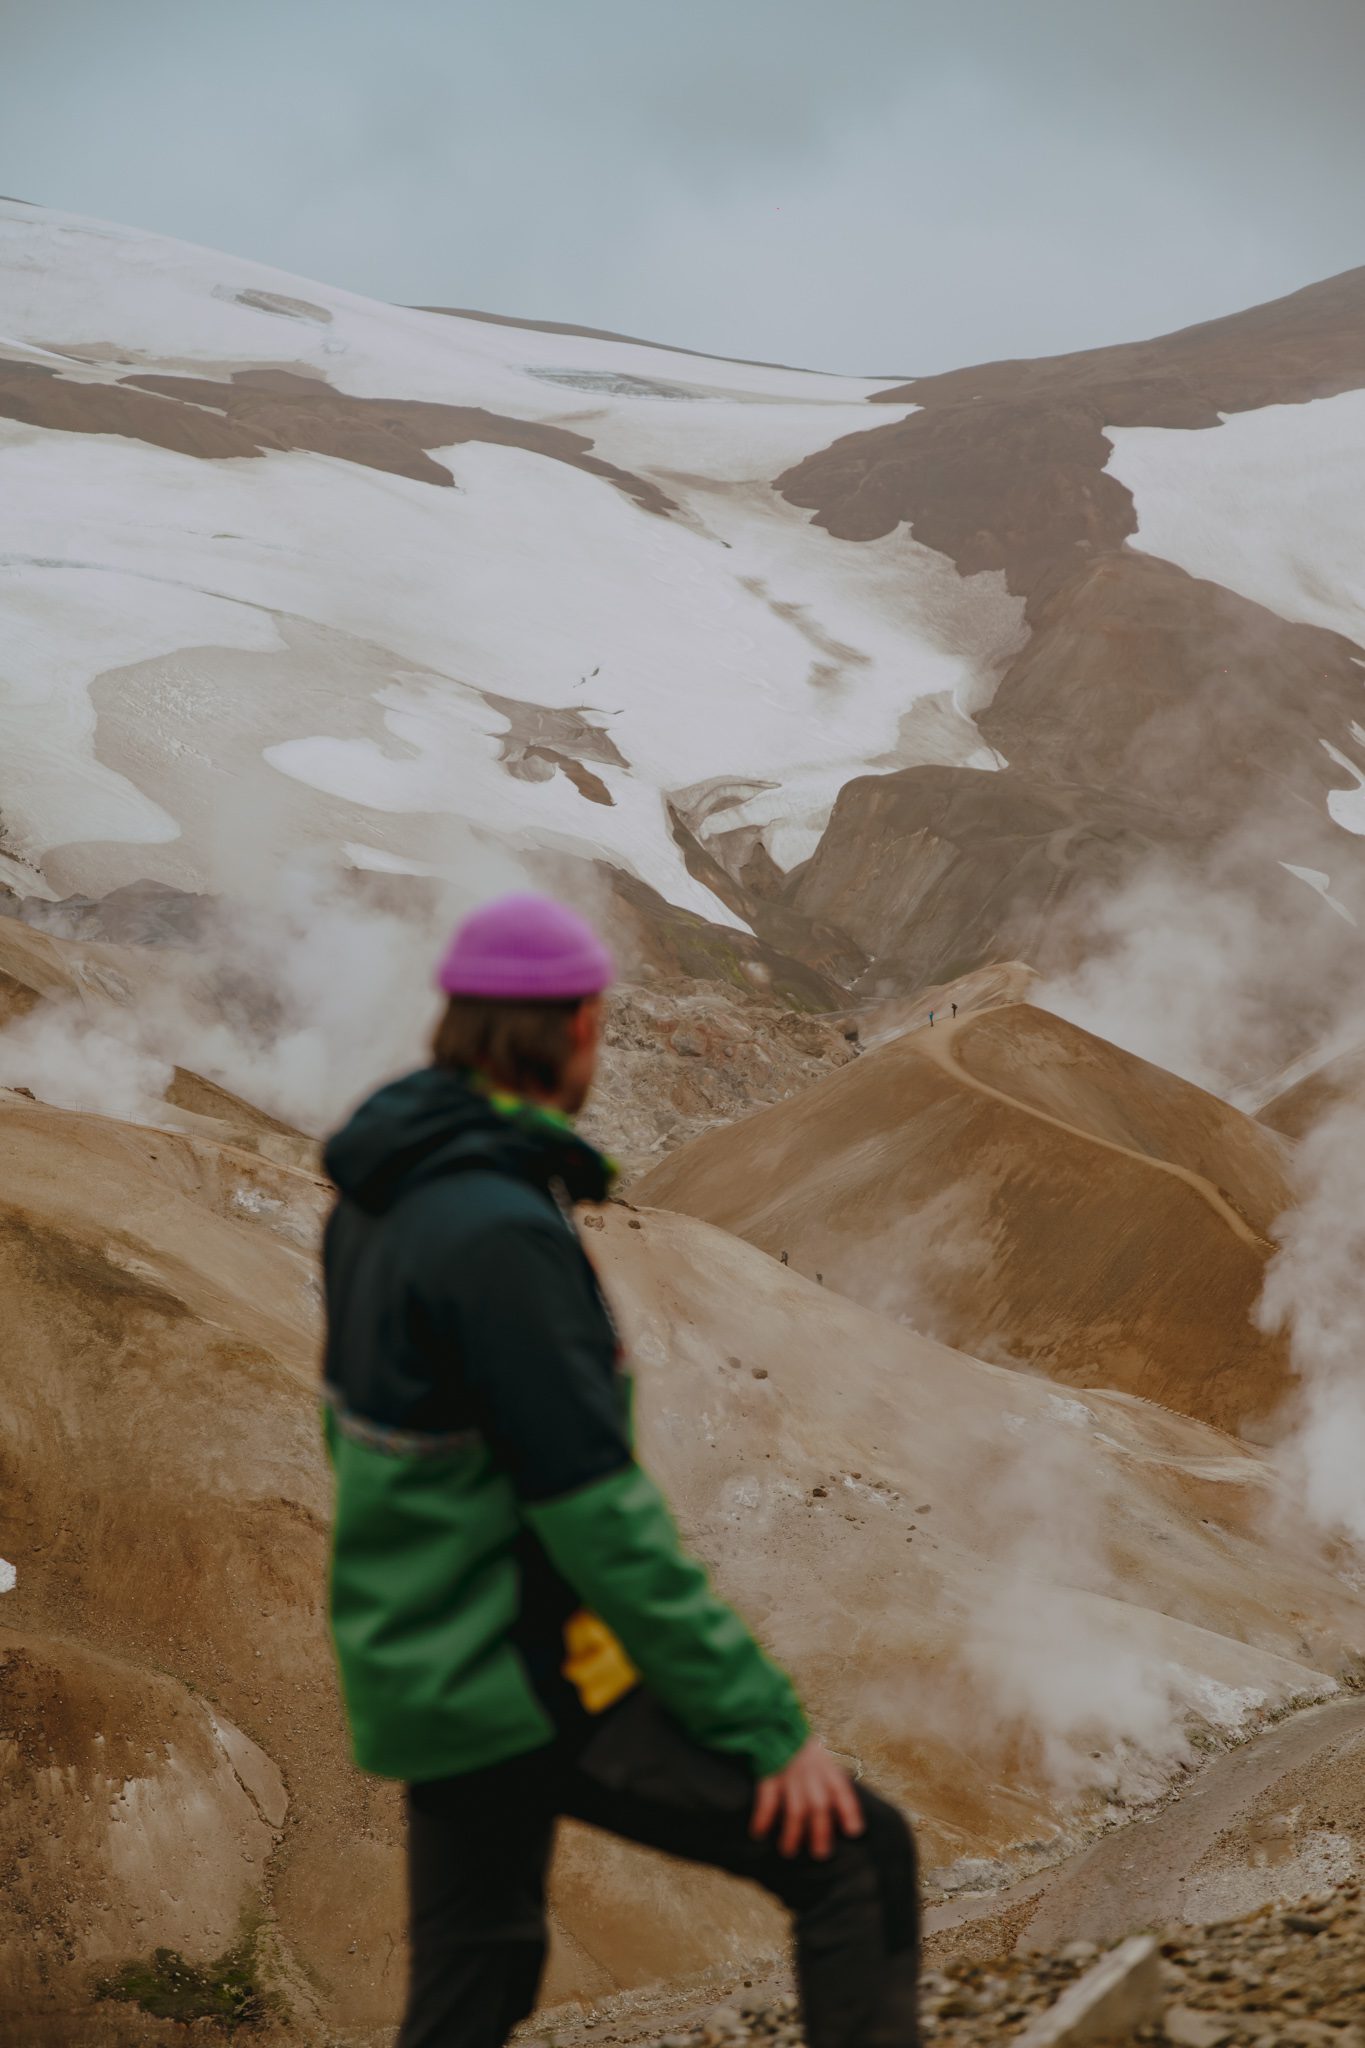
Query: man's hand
{"type": "Point", "coordinates": [812, 1795]}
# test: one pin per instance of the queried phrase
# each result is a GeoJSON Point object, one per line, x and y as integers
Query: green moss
{"type": "Point", "coordinates": [227, 1990]}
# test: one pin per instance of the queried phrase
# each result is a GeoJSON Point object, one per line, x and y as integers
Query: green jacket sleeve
{"type": "Point", "coordinates": [616, 1544]}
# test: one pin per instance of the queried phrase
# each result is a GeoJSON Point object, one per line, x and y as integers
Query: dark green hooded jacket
{"type": "Point", "coordinates": [490, 1515]}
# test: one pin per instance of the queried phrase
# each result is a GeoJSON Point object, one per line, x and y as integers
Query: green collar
{"type": "Point", "coordinates": [535, 1115]}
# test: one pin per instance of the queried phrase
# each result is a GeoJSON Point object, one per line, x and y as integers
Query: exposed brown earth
{"type": "Point", "coordinates": [263, 409]}
{"type": "Point", "coordinates": [773, 912]}
{"type": "Point", "coordinates": [675, 945]}
{"type": "Point", "coordinates": [1309, 344]}
{"type": "Point", "coordinates": [934, 871]}
{"type": "Point", "coordinates": [1000, 484]}
{"type": "Point", "coordinates": [165, 1509]}
{"type": "Point", "coordinates": [1025, 1190]}
{"type": "Point", "coordinates": [1142, 678]}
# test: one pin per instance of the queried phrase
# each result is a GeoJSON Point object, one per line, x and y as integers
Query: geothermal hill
{"type": "Point", "coordinates": [894, 1532]}
{"type": "Point", "coordinates": [1022, 1189]}
{"type": "Point", "coordinates": [891, 675]}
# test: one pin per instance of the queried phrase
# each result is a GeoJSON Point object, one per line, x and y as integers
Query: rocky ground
{"type": "Point", "coordinates": [677, 1061]}
{"type": "Point", "coordinates": [1289, 1976]}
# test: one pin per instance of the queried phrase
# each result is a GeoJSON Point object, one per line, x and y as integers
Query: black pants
{"type": "Point", "coordinates": [479, 1846]}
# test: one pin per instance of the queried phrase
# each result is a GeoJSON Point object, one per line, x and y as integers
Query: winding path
{"type": "Point", "coordinates": [944, 1053]}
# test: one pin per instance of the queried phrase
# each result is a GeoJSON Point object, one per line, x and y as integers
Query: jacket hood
{"type": "Point", "coordinates": [436, 1122]}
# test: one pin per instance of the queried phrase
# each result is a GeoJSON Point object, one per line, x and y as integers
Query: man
{"type": "Point", "coordinates": [519, 1631]}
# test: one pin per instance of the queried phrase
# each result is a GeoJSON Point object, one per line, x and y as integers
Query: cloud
{"type": "Point", "coordinates": [882, 186]}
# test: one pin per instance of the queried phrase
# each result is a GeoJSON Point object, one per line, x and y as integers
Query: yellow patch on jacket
{"type": "Point", "coordinates": [596, 1666]}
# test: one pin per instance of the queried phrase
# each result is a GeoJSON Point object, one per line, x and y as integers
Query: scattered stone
{"type": "Point", "coordinates": [1288, 1976]}
{"type": "Point", "coordinates": [1186, 2028]}
{"type": "Point", "coordinates": [1118, 1995]}
{"type": "Point", "coordinates": [725, 2025]}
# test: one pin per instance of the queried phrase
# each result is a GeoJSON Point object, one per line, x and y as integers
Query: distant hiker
{"type": "Point", "coordinates": [931, 1020]}
{"type": "Point", "coordinates": [954, 1009]}
{"type": "Point", "coordinates": [784, 1258]}
{"type": "Point", "coordinates": [520, 1632]}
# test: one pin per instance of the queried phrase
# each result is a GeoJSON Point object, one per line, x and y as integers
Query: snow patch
{"type": "Point", "coordinates": [375, 860]}
{"type": "Point", "coordinates": [1346, 807]}
{"type": "Point", "coordinates": [1322, 883]}
{"type": "Point", "coordinates": [1270, 504]}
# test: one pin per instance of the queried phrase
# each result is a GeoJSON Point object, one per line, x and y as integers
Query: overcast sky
{"type": "Point", "coordinates": [871, 185]}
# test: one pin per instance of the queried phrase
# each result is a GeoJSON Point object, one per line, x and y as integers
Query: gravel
{"type": "Point", "coordinates": [1282, 1977]}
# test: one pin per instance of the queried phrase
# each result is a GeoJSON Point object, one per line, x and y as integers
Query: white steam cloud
{"type": "Point", "coordinates": [1245, 986]}
{"type": "Point", "coordinates": [1068, 1655]}
{"type": "Point", "coordinates": [1222, 978]}
{"type": "Point", "coordinates": [64, 1057]}
{"type": "Point", "coordinates": [304, 991]}
{"type": "Point", "coordinates": [1315, 1292]}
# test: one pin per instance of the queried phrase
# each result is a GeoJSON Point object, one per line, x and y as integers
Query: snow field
{"type": "Point", "coordinates": [734, 643]}
{"type": "Point", "coordinates": [1270, 504]}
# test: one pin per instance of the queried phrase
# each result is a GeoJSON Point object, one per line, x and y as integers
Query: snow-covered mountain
{"type": "Point", "coordinates": [376, 577]}
{"type": "Point", "coordinates": [1184, 521]}
{"type": "Point", "coordinates": [893, 677]}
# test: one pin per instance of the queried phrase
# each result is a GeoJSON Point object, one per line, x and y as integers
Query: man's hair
{"type": "Point", "coordinates": [517, 1046]}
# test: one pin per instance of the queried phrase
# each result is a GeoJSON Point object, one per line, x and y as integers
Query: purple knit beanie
{"type": "Point", "coordinates": [526, 949]}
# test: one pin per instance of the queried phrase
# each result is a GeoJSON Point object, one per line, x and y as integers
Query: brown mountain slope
{"type": "Point", "coordinates": [164, 1509]}
{"type": "Point", "coordinates": [1002, 468]}
{"type": "Point", "coordinates": [1309, 344]}
{"type": "Point", "coordinates": [259, 409]}
{"type": "Point", "coordinates": [934, 872]}
{"type": "Point", "coordinates": [176, 1772]}
{"type": "Point", "coordinates": [1138, 684]}
{"type": "Point", "coordinates": [1020, 1188]}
